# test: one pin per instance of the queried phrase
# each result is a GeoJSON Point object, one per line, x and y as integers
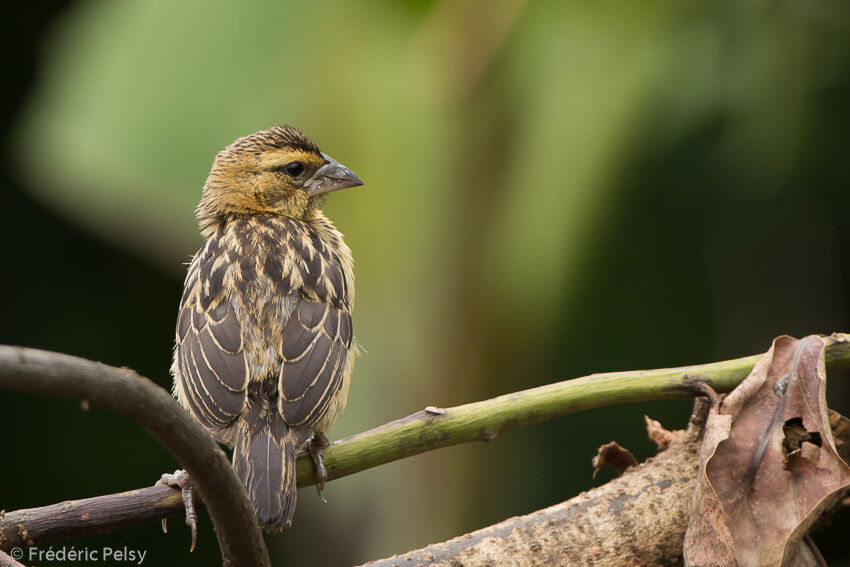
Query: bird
{"type": "Point", "coordinates": [264, 347]}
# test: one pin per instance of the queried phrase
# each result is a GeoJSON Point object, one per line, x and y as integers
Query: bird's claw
{"type": "Point", "coordinates": [180, 479]}
{"type": "Point", "coordinates": [317, 446]}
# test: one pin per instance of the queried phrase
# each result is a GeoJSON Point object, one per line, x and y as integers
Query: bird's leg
{"type": "Point", "coordinates": [317, 446]}
{"type": "Point", "coordinates": [180, 479]}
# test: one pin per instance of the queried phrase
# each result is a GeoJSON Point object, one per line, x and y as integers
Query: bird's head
{"type": "Point", "coordinates": [277, 171]}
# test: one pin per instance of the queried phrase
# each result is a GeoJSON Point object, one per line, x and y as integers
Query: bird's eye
{"type": "Point", "coordinates": [294, 169]}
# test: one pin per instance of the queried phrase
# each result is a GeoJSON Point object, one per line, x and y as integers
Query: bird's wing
{"type": "Point", "coordinates": [210, 358]}
{"type": "Point", "coordinates": [316, 339]}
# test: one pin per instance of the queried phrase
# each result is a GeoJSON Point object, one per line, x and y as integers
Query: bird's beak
{"type": "Point", "coordinates": [331, 177]}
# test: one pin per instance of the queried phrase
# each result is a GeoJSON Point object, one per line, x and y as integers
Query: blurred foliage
{"type": "Point", "coordinates": [552, 188]}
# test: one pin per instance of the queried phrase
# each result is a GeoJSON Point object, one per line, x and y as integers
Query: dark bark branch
{"type": "Point", "coordinates": [420, 432]}
{"type": "Point", "coordinates": [7, 561]}
{"type": "Point", "coordinates": [101, 514]}
{"type": "Point", "coordinates": [128, 394]}
{"type": "Point", "coordinates": [634, 520]}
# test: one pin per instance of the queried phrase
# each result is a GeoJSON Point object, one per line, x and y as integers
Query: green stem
{"type": "Point", "coordinates": [434, 428]}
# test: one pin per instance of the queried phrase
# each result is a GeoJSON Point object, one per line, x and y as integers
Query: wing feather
{"type": "Point", "coordinates": [199, 401]}
{"type": "Point", "coordinates": [301, 331]}
{"type": "Point", "coordinates": [210, 359]}
{"type": "Point", "coordinates": [313, 351]}
{"type": "Point", "coordinates": [225, 330]}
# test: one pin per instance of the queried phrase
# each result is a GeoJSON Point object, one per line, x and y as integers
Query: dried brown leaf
{"type": "Point", "coordinates": [768, 462]}
{"type": "Point", "coordinates": [660, 436]}
{"type": "Point", "coordinates": [841, 434]}
{"type": "Point", "coordinates": [618, 457]}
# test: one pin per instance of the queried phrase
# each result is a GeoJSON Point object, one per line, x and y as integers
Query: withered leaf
{"type": "Point", "coordinates": [662, 438]}
{"type": "Point", "coordinates": [768, 463]}
{"type": "Point", "coordinates": [841, 434]}
{"type": "Point", "coordinates": [619, 458]}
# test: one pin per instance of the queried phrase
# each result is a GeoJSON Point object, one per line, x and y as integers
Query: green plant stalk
{"type": "Point", "coordinates": [433, 428]}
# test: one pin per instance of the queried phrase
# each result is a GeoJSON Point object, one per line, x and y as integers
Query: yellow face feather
{"type": "Point", "coordinates": [261, 173]}
{"type": "Point", "coordinates": [278, 171]}
{"type": "Point", "coordinates": [279, 158]}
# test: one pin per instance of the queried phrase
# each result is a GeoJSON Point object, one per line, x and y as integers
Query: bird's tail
{"type": "Point", "coordinates": [264, 460]}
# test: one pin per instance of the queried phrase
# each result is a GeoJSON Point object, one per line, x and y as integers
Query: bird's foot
{"type": "Point", "coordinates": [317, 446]}
{"type": "Point", "coordinates": [180, 479]}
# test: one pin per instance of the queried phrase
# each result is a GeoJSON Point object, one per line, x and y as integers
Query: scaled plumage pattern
{"type": "Point", "coordinates": [264, 349]}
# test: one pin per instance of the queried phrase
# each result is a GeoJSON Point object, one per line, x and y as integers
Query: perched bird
{"type": "Point", "coordinates": [265, 349]}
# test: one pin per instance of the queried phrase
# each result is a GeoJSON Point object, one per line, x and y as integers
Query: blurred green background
{"type": "Point", "coordinates": [553, 188]}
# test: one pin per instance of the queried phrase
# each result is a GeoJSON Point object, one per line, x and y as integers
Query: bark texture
{"type": "Point", "coordinates": [637, 519]}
